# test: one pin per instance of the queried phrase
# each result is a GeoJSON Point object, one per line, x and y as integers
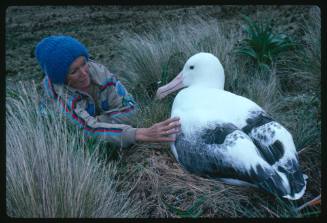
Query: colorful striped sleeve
{"type": "Point", "coordinates": [119, 105]}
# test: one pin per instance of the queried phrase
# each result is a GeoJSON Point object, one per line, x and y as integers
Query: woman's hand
{"type": "Point", "coordinates": [159, 132]}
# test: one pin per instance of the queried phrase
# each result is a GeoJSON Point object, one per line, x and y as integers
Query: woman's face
{"type": "Point", "coordinates": [78, 75]}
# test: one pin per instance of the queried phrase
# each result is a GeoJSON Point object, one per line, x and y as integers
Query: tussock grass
{"type": "Point", "coordinates": [304, 66]}
{"type": "Point", "coordinates": [159, 55]}
{"type": "Point", "coordinates": [48, 174]}
{"type": "Point", "coordinates": [300, 75]}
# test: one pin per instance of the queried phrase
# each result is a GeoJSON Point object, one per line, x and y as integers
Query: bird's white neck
{"type": "Point", "coordinates": [216, 81]}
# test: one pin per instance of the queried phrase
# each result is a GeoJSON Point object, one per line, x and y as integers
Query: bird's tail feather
{"type": "Point", "coordinates": [297, 184]}
{"type": "Point", "coordinates": [291, 185]}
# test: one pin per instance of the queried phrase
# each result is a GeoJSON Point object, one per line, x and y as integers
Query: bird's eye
{"type": "Point", "coordinates": [191, 67]}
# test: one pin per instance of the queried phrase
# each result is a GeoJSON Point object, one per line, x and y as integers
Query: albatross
{"type": "Point", "coordinates": [229, 137]}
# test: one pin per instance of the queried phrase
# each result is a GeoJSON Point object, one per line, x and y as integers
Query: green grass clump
{"type": "Point", "coordinates": [262, 45]}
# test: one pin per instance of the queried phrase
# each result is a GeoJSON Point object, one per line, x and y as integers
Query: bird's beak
{"type": "Point", "coordinates": [174, 85]}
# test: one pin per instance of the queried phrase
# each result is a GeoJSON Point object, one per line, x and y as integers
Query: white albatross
{"type": "Point", "coordinates": [229, 137]}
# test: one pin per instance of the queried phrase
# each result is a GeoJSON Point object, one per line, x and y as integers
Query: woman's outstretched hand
{"type": "Point", "coordinates": [160, 132]}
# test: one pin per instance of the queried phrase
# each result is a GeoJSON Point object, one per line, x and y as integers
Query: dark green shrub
{"type": "Point", "coordinates": [262, 45]}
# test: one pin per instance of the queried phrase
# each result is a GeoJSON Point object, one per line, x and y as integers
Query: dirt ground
{"type": "Point", "coordinates": [101, 28]}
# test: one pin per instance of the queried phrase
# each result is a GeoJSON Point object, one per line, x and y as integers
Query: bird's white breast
{"type": "Point", "coordinates": [200, 107]}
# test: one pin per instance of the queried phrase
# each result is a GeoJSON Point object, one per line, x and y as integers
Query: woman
{"type": "Point", "coordinates": [92, 97]}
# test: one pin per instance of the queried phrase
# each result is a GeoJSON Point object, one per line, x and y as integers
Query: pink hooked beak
{"type": "Point", "coordinates": [174, 85]}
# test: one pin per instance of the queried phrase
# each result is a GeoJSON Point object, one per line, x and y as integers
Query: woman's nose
{"type": "Point", "coordinates": [84, 71]}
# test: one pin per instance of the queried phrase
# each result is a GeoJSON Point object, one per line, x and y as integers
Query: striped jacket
{"type": "Point", "coordinates": [107, 112]}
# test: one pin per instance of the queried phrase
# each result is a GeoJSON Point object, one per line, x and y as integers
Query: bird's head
{"type": "Point", "coordinates": [201, 69]}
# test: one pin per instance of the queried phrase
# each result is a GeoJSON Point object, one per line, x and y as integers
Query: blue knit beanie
{"type": "Point", "coordinates": [56, 53]}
